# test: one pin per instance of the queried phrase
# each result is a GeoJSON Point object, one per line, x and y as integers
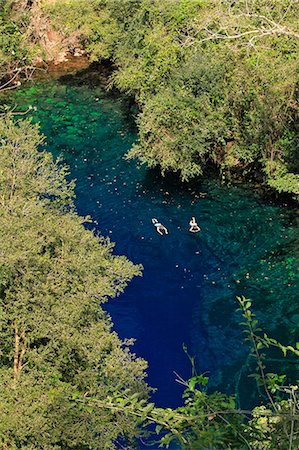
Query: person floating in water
{"type": "Point", "coordinates": [159, 227]}
{"type": "Point", "coordinates": [194, 228]}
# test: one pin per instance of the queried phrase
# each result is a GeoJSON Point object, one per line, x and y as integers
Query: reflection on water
{"type": "Point", "coordinates": [187, 292]}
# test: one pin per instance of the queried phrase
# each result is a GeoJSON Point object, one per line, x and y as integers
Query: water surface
{"type": "Point", "coordinates": [247, 245]}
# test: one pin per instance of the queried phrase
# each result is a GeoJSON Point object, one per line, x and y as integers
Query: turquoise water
{"type": "Point", "coordinates": [247, 245]}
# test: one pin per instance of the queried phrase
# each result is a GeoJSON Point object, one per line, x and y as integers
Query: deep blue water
{"type": "Point", "coordinates": [248, 245]}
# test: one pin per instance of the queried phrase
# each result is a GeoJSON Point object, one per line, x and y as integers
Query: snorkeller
{"type": "Point", "coordinates": [194, 227]}
{"type": "Point", "coordinates": [161, 229]}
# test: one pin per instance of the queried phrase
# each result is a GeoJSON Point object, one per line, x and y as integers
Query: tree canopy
{"type": "Point", "coordinates": [56, 341]}
{"type": "Point", "coordinates": [215, 81]}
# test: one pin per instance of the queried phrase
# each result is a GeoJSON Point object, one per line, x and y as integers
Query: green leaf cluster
{"type": "Point", "coordinates": [16, 48]}
{"type": "Point", "coordinates": [213, 420]}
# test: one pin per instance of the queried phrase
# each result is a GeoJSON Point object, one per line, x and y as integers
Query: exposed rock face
{"type": "Point", "coordinates": [54, 45]}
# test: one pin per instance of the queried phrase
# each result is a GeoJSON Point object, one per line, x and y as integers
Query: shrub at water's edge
{"type": "Point", "coordinates": [56, 341]}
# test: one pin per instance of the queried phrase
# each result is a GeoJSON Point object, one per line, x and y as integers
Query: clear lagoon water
{"type": "Point", "coordinates": [248, 245]}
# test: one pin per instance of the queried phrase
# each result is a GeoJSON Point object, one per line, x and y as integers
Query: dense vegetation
{"type": "Point", "coordinates": [16, 49]}
{"type": "Point", "coordinates": [56, 342]}
{"type": "Point", "coordinates": [216, 81]}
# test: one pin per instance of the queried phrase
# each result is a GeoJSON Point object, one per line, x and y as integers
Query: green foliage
{"type": "Point", "coordinates": [90, 21]}
{"type": "Point", "coordinates": [56, 343]}
{"type": "Point", "coordinates": [282, 180]}
{"type": "Point", "coordinates": [274, 425]}
{"type": "Point", "coordinates": [16, 53]}
{"type": "Point", "coordinates": [216, 81]}
{"type": "Point", "coordinates": [184, 126]}
{"type": "Point", "coordinates": [212, 420]}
